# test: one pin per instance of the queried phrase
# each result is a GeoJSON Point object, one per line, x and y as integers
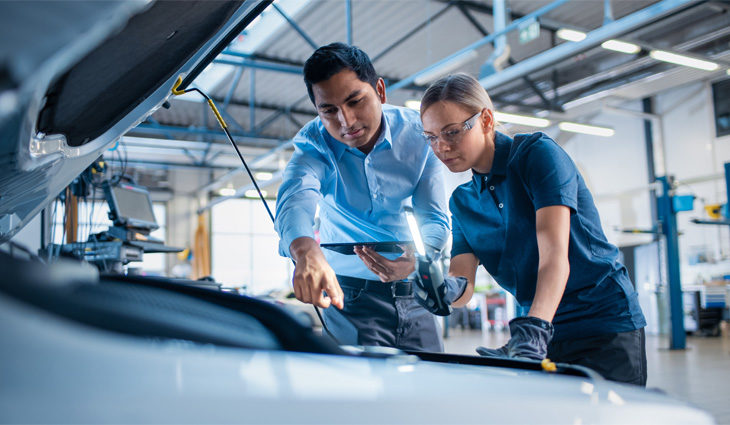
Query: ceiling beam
{"type": "Point", "coordinates": [253, 164]}
{"type": "Point", "coordinates": [614, 29]}
{"type": "Point", "coordinates": [487, 9]}
{"type": "Point", "coordinates": [546, 102]}
{"type": "Point", "coordinates": [479, 43]}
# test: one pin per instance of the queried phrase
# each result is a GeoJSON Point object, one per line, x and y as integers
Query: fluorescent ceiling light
{"type": "Point", "coordinates": [413, 104]}
{"type": "Point", "coordinates": [444, 68]}
{"type": "Point", "coordinates": [251, 193]}
{"type": "Point", "coordinates": [621, 46]}
{"type": "Point", "coordinates": [586, 129]}
{"type": "Point", "coordinates": [570, 35]}
{"type": "Point", "coordinates": [683, 60]}
{"type": "Point", "coordinates": [227, 191]}
{"type": "Point", "coordinates": [727, 71]}
{"type": "Point", "coordinates": [587, 99]}
{"type": "Point", "coordinates": [263, 176]}
{"type": "Point", "coordinates": [521, 119]}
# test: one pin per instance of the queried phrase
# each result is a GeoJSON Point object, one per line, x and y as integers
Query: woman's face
{"type": "Point", "coordinates": [459, 147]}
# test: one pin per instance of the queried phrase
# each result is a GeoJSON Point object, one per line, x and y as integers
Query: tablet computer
{"type": "Point", "coordinates": [389, 247]}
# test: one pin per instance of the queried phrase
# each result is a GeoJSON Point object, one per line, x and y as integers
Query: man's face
{"type": "Point", "coordinates": [350, 109]}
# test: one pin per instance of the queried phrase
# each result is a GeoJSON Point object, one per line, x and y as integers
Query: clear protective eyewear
{"type": "Point", "coordinates": [453, 135]}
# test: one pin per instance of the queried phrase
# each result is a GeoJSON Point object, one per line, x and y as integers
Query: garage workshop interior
{"type": "Point", "coordinates": [365, 211]}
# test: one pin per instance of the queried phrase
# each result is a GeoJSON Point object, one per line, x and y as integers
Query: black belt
{"type": "Point", "coordinates": [399, 288]}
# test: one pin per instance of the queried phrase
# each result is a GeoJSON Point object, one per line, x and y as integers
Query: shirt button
{"type": "Point", "coordinates": [485, 178]}
{"type": "Point", "coordinates": [491, 187]}
{"type": "Point", "coordinates": [375, 195]}
{"type": "Point", "coordinates": [501, 205]}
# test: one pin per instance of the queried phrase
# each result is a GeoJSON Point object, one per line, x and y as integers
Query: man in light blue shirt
{"type": "Point", "coordinates": [361, 162]}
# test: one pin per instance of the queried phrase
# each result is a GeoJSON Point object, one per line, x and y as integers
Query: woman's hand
{"type": "Point", "coordinates": [388, 270]}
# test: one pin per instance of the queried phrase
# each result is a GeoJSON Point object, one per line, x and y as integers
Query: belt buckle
{"type": "Point", "coordinates": [394, 288]}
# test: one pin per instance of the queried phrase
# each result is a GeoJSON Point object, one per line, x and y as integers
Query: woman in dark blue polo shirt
{"type": "Point", "coordinates": [528, 217]}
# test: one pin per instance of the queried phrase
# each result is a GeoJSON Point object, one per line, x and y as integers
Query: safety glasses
{"type": "Point", "coordinates": [454, 133]}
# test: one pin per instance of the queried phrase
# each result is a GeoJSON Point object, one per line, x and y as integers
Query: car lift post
{"type": "Point", "coordinates": [668, 220]}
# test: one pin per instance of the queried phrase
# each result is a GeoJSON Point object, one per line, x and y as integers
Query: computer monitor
{"type": "Point", "coordinates": [130, 206]}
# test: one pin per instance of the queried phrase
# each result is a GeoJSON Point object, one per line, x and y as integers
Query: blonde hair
{"type": "Point", "coordinates": [461, 89]}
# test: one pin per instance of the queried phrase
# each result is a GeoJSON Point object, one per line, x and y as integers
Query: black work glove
{"type": "Point", "coordinates": [449, 290]}
{"type": "Point", "coordinates": [530, 339]}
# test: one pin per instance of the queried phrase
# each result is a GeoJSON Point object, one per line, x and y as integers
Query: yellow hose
{"type": "Point", "coordinates": [548, 366]}
{"type": "Point", "coordinates": [217, 114]}
{"type": "Point", "coordinates": [175, 91]}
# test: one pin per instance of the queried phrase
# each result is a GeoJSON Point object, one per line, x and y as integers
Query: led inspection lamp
{"type": "Point", "coordinates": [429, 282]}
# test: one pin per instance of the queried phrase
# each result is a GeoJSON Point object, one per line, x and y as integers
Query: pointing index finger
{"type": "Point", "coordinates": [336, 296]}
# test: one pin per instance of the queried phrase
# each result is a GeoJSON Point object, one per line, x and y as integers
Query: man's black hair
{"type": "Point", "coordinates": [330, 59]}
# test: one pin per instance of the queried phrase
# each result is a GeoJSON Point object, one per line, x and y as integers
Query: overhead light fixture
{"type": "Point", "coordinates": [727, 71]}
{"type": "Point", "coordinates": [444, 68]}
{"type": "Point", "coordinates": [252, 193]}
{"type": "Point", "coordinates": [570, 35]}
{"type": "Point", "coordinates": [621, 46]}
{"type": "Point", "coordinates": [683, 60]}
{"type": "Point", "coordinates": [586, 129]}
{"type": "Point", "coordinates": [521, 119]}
{"type": "Point", "coordinates": [413, 104]}
{"type": "Point", "coordinates": [227, 191]}
{"type": "Point", "coordinates": [263, 176]}
{"type": "Point", "coordinates": [587, 99]}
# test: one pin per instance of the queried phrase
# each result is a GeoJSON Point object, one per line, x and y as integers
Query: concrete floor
{"type": "Point", "coordinates": [700, 374]}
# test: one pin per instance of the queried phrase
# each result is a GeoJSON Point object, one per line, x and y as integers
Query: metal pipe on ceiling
{"type": "Point", "coordinates": [252, 102]}
{"type": "Point", "coordinates": [256, 162]}
{"type": "Point", "coordinates": [234, 84]}
{"type": "Point", "coordinates": [150, 142]}
{"type": "Point", "coordinates": [164, 165]}
{"type": "Point", "coordinates": [241, 191]}
{"type": "Point", "coordinates": [248, 63]}
{"type": "Point", "coordinates": [564, 51]}
{"type": "Point", "coordinates": [249, 138]}
{"type": "Point", "coordinates": [348, 20]}
{"type": "Point", "coordinates": [488, 39]}
{"type": "Point", "coordinates": [501, 52]}
{"type": "Point", "coordinates": [296, 27]}
{"type": "Point", "coordinates": [628, 67]}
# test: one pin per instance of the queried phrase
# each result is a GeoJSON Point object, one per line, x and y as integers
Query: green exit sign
{"type": "Point", "coordinates": [529, 31]}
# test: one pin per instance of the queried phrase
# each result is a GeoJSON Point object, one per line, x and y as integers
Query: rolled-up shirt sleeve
{"type": "Point", "coordinates": [550, 175]}
{"type": "Point", "coordinates": [429, 203]}
{"type": "Point", "coordinates": [459, 245]}
{"type": "Point", "coordinates": [299, 195]}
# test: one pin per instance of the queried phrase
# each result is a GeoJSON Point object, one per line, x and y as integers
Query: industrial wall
{"type": "Point", "coordinates": [616, 171]}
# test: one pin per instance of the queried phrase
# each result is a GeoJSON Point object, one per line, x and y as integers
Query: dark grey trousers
{"type": "Point", "coordinates": [382, 314]}
{"type": "Point", "coordinates": [617, 357]}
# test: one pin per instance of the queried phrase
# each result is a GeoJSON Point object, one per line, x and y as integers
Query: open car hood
{"type": "Point", "coordinates": [77, 75]}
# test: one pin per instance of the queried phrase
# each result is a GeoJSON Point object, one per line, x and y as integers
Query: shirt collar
{"type": "Point", "coordinates": [502, 145]}
{"type": "Point", "coordinates": [338, 148]}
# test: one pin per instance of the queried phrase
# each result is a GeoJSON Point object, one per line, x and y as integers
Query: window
{"type": "Point", "coordinates": [245, 248]}
{"type": "Point", "coordinates": [721, 101]}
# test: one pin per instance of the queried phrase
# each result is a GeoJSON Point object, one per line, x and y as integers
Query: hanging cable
{"type": "Point", "coordinates": [177, 91]}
